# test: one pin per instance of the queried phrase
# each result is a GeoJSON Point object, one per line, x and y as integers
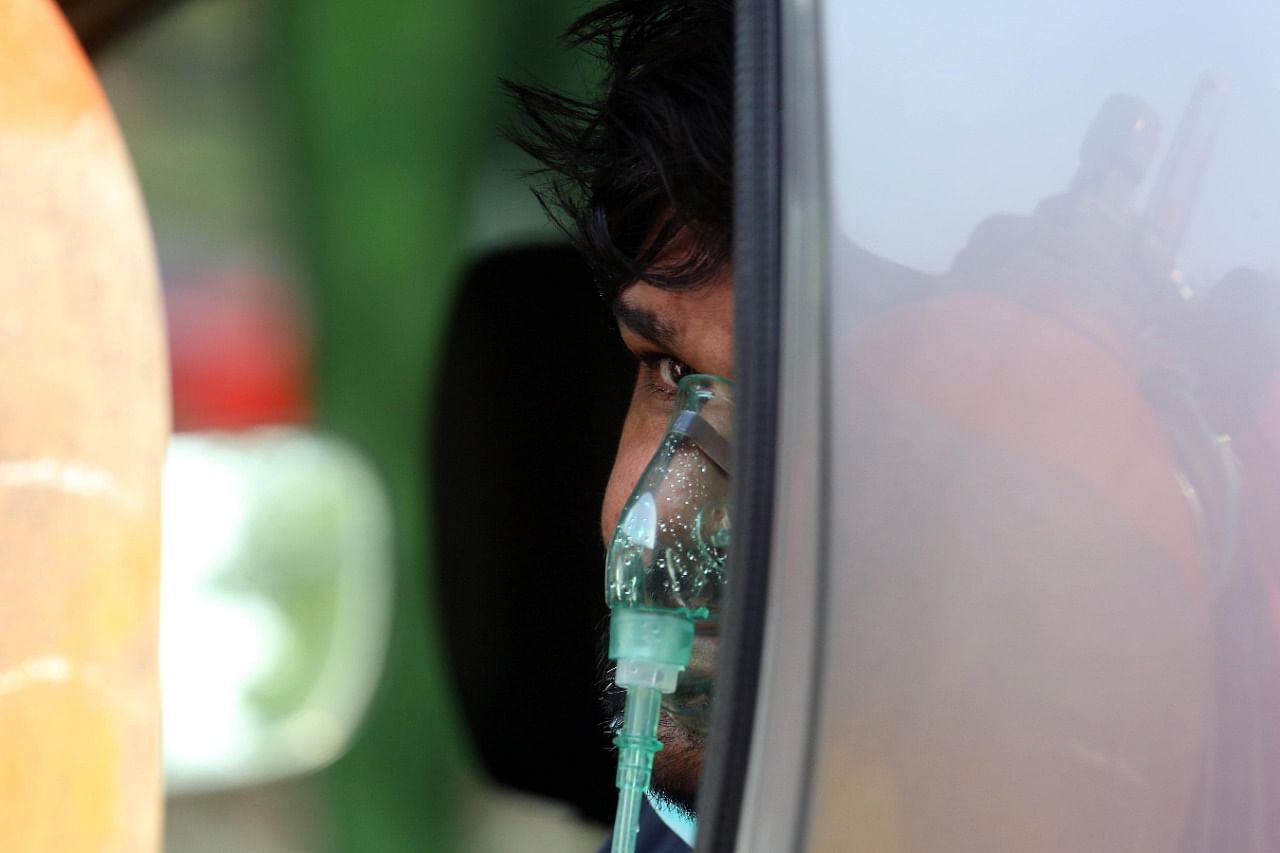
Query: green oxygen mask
{"type": "Point", "coordinates": [664, 572]}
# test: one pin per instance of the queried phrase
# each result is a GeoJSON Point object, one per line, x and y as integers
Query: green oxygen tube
{"type": "Point", "coordinates": [651, 648]}
{"type": "Point", "coordinates": [663, 574]}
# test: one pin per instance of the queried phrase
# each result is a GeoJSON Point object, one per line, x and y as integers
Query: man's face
{"type": "Point", "coordinates": [673, 334]}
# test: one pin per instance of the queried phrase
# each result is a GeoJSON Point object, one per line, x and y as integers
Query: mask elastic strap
{"type": "Point", "coordinates": [696, 428]}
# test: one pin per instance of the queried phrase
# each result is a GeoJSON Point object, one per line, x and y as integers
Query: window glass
{"type": "Point", "coordinates": [1049, 609]}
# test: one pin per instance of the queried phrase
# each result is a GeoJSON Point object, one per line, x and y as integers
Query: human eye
{"type": "Point", "coordinates": [660, 374]}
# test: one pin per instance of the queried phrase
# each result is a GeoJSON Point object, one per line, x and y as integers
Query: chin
{"type": "Point", "coordinates": [678, 765]}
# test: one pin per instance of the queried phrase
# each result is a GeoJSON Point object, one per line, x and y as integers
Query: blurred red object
{"type": "Point", "coordinates": [238, 351]}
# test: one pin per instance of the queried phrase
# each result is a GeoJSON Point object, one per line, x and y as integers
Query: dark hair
{"type": "Point", "coordinates": [647, 157]}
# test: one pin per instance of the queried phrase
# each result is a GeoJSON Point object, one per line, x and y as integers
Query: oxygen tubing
{"type": "Point", "coordinates": [651, 647]}
{"type": "Point", "coordinates": [637, 742]}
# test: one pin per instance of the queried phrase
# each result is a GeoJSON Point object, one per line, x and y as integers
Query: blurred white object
{"type": "Point", "coordinates": [275, 611]}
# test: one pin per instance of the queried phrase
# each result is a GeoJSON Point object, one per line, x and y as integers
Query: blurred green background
{"type": "Point", "coordinates": [352, 150]}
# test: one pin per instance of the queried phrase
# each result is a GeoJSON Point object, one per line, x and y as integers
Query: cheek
{"type": "Point", "coordinates": [641, 436]}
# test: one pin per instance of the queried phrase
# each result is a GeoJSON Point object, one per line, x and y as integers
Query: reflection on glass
{"type": "Point", "coordinates": [1050, 619]}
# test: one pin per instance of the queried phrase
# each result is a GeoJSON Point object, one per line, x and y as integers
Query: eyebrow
{"type": "Point", "coordinates": [645, 323]}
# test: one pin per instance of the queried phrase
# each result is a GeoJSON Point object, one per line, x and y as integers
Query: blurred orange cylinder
{"type": "Point", "coordinates": [83, 421]}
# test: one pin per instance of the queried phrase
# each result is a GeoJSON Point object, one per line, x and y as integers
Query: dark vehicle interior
{"type": "Point", "coordinates": [532, 379]}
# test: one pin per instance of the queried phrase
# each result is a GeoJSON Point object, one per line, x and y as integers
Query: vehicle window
{"type": "Point", "coordinates": [1050, 517]}
{"type": "Point", "coordinates": [1033, 256]}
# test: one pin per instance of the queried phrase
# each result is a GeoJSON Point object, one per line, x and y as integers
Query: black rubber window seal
{"type": "Point", "coordinates": [757, 265]}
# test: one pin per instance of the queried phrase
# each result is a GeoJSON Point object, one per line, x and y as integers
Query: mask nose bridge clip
{"type": "Point", "coordinates": [709, 440]}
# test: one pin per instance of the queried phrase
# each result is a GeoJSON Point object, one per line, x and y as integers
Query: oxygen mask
{"type": "Point", "coordinates": [664, 573]}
